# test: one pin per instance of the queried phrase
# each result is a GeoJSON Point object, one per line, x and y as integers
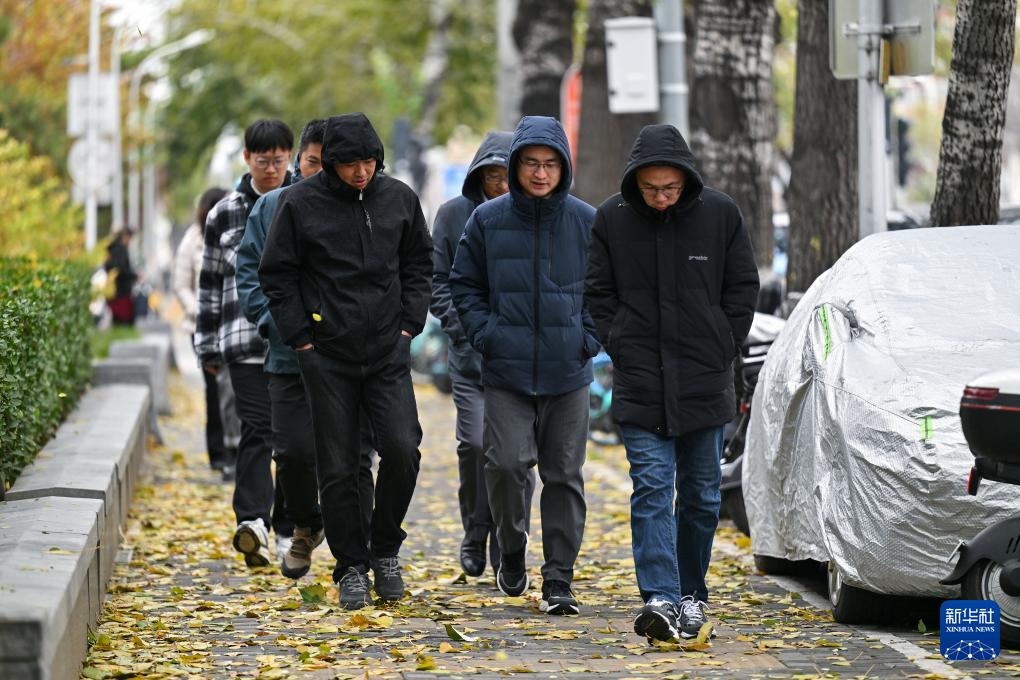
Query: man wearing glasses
{"type": "Point", "coordinates": [486, 179]}
{"type": "Point", "coordinates": [518, 283]}
{"type": "Point", "coordinates": [226, 340]}
{"type": "Point", "coordinates": [671, 285]}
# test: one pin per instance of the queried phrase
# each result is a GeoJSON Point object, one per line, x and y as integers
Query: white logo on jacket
{"type": "Point", "coordinates": [699, 258]}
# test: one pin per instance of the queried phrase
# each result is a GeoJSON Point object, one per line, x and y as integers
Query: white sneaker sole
{"type": "Point", "coordinates": [527, 584]}
{"type": "Point", "coordinates": [653, 625]}
{"type": "Point", "coordinates": [247, 542]}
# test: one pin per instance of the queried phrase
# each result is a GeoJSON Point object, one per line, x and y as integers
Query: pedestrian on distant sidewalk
{"type": "Point", "coordinates": [672, 286]}
{"type": "Point", "coordinates": [518, 284]}
{"type": "Point", "coordinates": [486, 179]}
{"type": "Point", "coordinates": [226, 340]}
{"type": "Point", "coordinates": [222, 426]}
{"type": "Point", "coordinates": [347, 271]}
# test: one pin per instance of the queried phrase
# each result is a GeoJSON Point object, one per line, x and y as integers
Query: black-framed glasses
{"type": "Point", "coordinates": [669, 193]}
{"type": "Point", "coordinates": [533, 165]}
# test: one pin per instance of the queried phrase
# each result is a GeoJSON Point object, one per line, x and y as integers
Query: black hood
{"type": "Point", "coordinates": [495, 150]}
{"type": "Point", "coordinates": [661, 145]}
{"type": "Point", "coordinates": [348, 138]}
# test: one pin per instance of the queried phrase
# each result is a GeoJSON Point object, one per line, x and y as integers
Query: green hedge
{"type": "Point", "coordinates": [44, 353]}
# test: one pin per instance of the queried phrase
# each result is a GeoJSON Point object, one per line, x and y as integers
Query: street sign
{"type": "Point", "coordinates": [78, 104]}
{"type": "Point", "coordinates": [908, 29]}
{"type": "Point", "coordinates": [632, 69]}
{"type": "Point", "coordinates": [78, 164]}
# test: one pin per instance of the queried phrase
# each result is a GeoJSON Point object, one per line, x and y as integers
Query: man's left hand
{"type": "Point", "coordinates": [406, 334]}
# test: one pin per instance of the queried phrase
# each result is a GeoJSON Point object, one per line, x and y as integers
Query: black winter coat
{"type": "Point", "coordinates": [672, 294]}
{"type": "Point", "coordinates": [518, 280]}
{"type": "Point", "coordinates": [343, 269]}
{"type": "Point", "coordinates": [446, 231]}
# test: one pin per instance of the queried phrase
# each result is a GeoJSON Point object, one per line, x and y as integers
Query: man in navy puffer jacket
{"type": "Point", "coordinates": [518, 285]}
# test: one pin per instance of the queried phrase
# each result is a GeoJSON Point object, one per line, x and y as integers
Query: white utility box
{"type": "Point", "coordinates": [631, 65]}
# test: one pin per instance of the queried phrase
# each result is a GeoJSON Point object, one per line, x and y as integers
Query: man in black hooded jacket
{"type": "Point", "coordinates": [671, 286]}
{"type": "Point", "coordinates": [487, 179]}
{"type": "Point", "coordinates": [347, 269]}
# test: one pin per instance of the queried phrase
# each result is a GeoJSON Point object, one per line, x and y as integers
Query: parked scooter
{"type": "Point", "coordinates": [764, 330]}
{"type": "Point", "coordinates": [988, 567]}
{"type": "Point", "coordinates": [601, 428]}
{"type": "Point", "coordinates": [429, 355]}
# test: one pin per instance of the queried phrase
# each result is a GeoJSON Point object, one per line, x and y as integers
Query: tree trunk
{"type": "Point", "coordinates": [733, 112]}
{"type": "Point", "coordinates": [822, 197]}
{"type": "Point", "coordinates": [605, 138]}
{"type": "Point", "coordinates": [544, 33]}
{"type": "Point", "coordinates": [970, 160]}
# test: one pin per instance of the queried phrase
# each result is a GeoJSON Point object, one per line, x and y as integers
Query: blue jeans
{"type": "Point", "coordinates": [673, 543]}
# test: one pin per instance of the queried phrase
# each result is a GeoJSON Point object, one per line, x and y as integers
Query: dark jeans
{"type": "Point", "coordinates": [673, 542]}
{"type": "Point", "coordinates": [219, 453]}
{"type": "Point", "coordinates": [255, 495]}
{"type": "Point", "coordinates": [552, 432]}
{"type": "Point", "coordinates": [337, 391]}
{"type": "Point", "coordinates": [475, 514]}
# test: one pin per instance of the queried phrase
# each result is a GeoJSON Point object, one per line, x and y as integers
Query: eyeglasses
{"type": "Point", "coordinates": [261, 162]}
{"type": "Point", "coordinates": [495, 179]}
{"type": "Point", "coordinates": [669, 193]}
{"type": "Point", "coordinates": [533, 165]}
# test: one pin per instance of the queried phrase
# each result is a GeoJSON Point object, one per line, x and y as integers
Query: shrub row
{"type": "Point", "coordinates": [44, 353]}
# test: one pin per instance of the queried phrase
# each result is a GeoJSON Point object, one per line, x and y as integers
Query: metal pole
{"type": "Point", "coordinates": [92, 130]}
{"type": "Point", "coordinates": [149, 191]}
{"type": "Point", "coordinates": [118, 161]}
{"type": "Point", "coordinates": [871, 164]}
{"type": "Point", "coordinates": [508, 94]}
{"type": "Point", "coordinates": [669, 17]}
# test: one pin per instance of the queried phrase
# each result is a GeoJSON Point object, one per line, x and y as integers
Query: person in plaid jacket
{"type": "Point", "coordinates": [226, 340]}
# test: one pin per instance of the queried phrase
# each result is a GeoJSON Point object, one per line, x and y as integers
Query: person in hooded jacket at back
{"type": "Point", "coordinates": [486, 179]}
{"type": "Point", "coordinates": [518, 284]}
{"type": "Point", "coordinates": [672, 286]}
{"type": "Point", "coordinates": [347, 269]}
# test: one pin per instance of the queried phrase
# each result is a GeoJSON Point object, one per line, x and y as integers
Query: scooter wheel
{"type": "Point", "coordinates": [982, 583]}
{"type": "Point", "coordinates": [733, 504]}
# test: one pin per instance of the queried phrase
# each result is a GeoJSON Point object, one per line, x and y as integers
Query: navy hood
{"type": "Point", "coordinates": [661, 145]}
{"type": "Point", "coordinates": [545, 131]}
{"type": "Point", "coordinates": [348, 138]}
{"type": "Point", "coordinates": [495, 150]}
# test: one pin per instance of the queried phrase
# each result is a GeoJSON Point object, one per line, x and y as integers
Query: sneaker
{"type": "Point", "coordinates": [472, 557]}
{"type": "Point", "coordinates": [296, 562]}
{"type": "Point", "coordinates": [389, 585]}
{"type": "Point", "coordinates": [282, 546]}
{"type": "Point", "coordinates": [252, 539]}
{"type": "Point", "coordinates": [512, 577]}
{"type": "Point", "coordinates": [658, 620]}
{"type": "Point", "coordinates": [228, 473]}
{"type": "Point", "coordinates": [557, 598]}
{"type": "Point", "coordinates": [692, 617]}
{"type": "Point", "coordinates": [354, 588]}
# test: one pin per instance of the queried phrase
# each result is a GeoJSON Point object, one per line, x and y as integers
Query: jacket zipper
{"type": "Point", "coordinates": [368, 218]}
{"type": "Point", "coordinates": [538, 282]}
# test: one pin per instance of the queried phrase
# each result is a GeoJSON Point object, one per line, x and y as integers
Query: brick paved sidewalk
{"type": "Point", "coordinates": [183, 604]}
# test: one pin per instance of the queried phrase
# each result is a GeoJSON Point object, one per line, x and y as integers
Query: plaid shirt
{"type": "Point", "coordinates": [222, 334]}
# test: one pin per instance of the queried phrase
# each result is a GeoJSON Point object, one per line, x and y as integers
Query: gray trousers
{"type": "Point", "coordinates": [552, 432]}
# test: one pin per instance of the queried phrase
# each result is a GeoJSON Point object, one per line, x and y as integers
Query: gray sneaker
{"type": "Point", "coordinates": [354, 588]}
{"type": "Point", "coordinates": [298, 559]}
{"type": "Point", "coordinates": [389, 584]}
{"type": "Point", "coordinates": [692, 617]}
{"type": "Point", "coordinates": [251, 538]}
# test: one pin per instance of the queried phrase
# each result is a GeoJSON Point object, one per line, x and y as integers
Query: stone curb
{"type": "Point", "coordinates": [60, 524]}
{"type": "Point", "coordinates": [155, 347]}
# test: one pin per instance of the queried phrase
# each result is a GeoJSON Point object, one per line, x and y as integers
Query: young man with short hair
{"type": "Point", "coordinates": [226, 340]}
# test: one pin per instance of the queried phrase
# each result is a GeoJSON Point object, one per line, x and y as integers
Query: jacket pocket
{"type": "Point", "coordinates": [727, 344]}
{"type": "Point", "coordinates": [616, 328]}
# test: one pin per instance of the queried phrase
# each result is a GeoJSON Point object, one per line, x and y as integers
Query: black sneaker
{"type": "Point", "coordinates": [557, 598]}
{"type": "Point", "coordinates": [512, 577]}
{"type": "Point", "coordinates": [472, 557]}
{"type": "Point", "coordinates": [692, 617]}
{"type": "Point", "coordinates": [657, 620]}
{"type": "Point", "coordinates": [354, 588]}
{"type": "Point", "coordinates": [389, 585]}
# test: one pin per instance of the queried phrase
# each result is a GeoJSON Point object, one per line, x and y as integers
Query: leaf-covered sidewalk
{"type": "Point", "coordinates": [182, 603]}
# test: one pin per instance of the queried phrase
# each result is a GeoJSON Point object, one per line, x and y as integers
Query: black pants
{"type": "Point", "coordinates": [219, 454]}
{"type": "Point", "coordinates": [469, 398]}
{"type": "Point", "coordinates": [337, 391]}
{"type": "Point", "coordinates": [255, 495]}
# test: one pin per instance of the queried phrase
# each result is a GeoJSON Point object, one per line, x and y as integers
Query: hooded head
{"type": "Point", "coordinates": [494, 152]}
{"type": "Point", "coordinates": [662, 146]}
{"type": "Point", "coordinates": [350, 138]}
{"type": "Point", "coordinates": [529, 179]}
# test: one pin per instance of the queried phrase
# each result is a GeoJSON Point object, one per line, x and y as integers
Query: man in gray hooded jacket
{"type": "Point", "coordinates": [486, 179]}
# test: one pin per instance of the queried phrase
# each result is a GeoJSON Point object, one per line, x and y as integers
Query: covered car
{"type": "Point", "coordinates": [855, 455]}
